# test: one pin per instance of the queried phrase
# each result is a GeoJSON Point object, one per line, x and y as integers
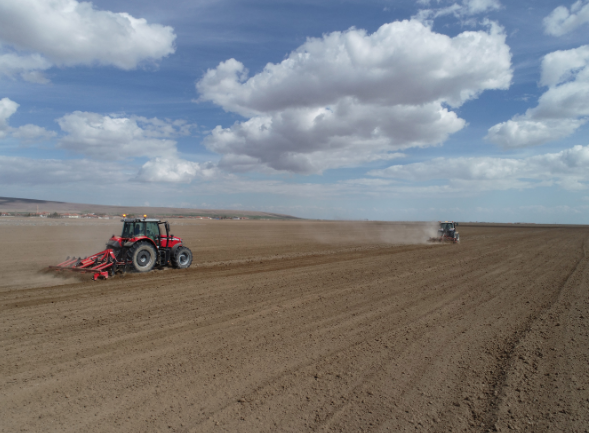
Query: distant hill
{"type": "Point", "coordinates": [12, 204]}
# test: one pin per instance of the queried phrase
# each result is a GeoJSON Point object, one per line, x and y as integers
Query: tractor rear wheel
{"type": "Point", "coordinates": [182, 258]}
{"type": "Point", "coordinates": [143, 256]}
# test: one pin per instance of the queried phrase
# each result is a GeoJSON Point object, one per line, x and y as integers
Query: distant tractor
{"type": "Point", "coordinates": [447, 233]}
{"type": "Point", "coordinates": [141, 246]}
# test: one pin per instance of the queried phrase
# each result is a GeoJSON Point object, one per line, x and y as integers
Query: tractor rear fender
{"type": "Point", "coordinates": [133, 241]}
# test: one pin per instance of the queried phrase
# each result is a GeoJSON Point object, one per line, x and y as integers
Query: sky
{"type": "Point", "coordinates": [467, 110]}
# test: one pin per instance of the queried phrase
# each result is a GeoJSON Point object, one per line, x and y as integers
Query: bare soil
{"type": "Point", "coordinates": [299, 326]}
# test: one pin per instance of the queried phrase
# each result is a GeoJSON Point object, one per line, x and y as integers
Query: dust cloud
{"type": "Point", "coordinates": [45, 242]}
{"type": "Point", "coordinates": [393, 233]}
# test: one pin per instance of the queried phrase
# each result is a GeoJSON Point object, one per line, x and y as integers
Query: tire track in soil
{"type": "Point", "coordinates": [229, 268]}
{"type": "Point", "coordinates": [544, 373]}
{"type": "Point", "coordinates": [231, 315]}
{"type": "Point", "coordinates": [150, 335]}
{"type": "Point", "coordinates": [247, 398]}
{"type": "Point", "coordinates": [506, 361]}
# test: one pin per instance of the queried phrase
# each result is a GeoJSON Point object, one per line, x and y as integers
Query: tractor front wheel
{"type": "Point", "coordinates": [143, 256]}
{"type": "Point", "coordinates": [182, 258]}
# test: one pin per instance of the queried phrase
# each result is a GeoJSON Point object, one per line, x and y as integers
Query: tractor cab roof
{"type": "Point", "coordinates": [140, 220]}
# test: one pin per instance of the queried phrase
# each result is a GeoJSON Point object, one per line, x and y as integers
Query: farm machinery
{"type": "Point", "coordinates": [447, 233]}
{"type": "Point", "coordinates": [141, 246]}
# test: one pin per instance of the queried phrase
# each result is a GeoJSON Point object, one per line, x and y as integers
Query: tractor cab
{"type": "Point", "coordinates": [156, 230]}
{"type": "Point", "coordinates": [447, 228]}
{"type": "Point", "coordinates": [139, 228]}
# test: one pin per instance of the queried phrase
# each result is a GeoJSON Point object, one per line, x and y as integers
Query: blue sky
{"type": "Point", "coordinates": [472, 110]}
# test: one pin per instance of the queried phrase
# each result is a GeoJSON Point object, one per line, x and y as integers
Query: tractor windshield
{"type": "Point", "coordinates": [153, 230]}
{"type": "Point", "coordinates": [446, 226]}
{"type": "Point", "coordinates": [131, 230]}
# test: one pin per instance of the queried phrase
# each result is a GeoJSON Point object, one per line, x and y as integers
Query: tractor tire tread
{"type": "Point", "coordinates": [176, 262]}
{"type": "Point", "coordinates": [134, 251]}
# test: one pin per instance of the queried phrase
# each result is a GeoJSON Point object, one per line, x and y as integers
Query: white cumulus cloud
{"type": "Point", "coordinates": [464, 9]}
{"type": "Point", "coordinates": [30, 171]}
{"type": "Point", "coordinates": [563, 20]}
{"type": "Point", "coordinates": [481, 6]}
{"type": "Point", "coordinates": [117, 137]}
{"type": "Point", "coordinates": [351, 97]}
{"type": "Point", "coordinates": [349, 134]}
{"type": "Point", "coordinates": [7, 109]}
{"type": "Point", "coordinates": [28, 67]}
{"type": "Point", "coordinates": [175, 170]}
{"type": "Point", "coordinates": [562, 109]}
{"type": "Point", "coordinates": [42, 33]}
{"type": "Point", "coordinates": [568, 169]}
{"type": "Point", "coordinates": [26, 133]}
{"type": "Point", "coordinates": [29, 133]}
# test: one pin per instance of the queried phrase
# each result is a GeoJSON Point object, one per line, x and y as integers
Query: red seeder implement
{"type": "Point", "coordinates": [101, 264]}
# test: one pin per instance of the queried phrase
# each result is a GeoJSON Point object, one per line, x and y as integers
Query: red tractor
{"type": "Point", "coordinates": [141, 246]}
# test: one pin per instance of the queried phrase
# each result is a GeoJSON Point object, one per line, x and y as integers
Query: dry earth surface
{"type": "Point", "coordinates": [299, 326]}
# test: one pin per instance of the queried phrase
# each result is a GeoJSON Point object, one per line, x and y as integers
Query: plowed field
{"type": "Point", "coordinates": [299, 326]}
